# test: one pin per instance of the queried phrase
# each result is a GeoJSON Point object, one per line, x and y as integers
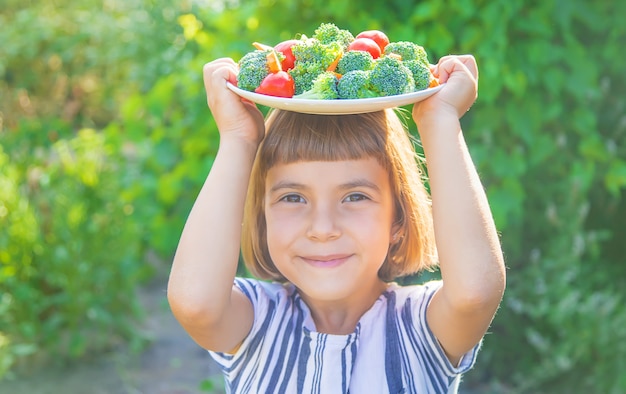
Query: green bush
{"type": "Point", "coordinates": [69, 264]}
{"type": "Point", "coordinates": [71, 241]}
{"type": "Point", "coordinates": [175, 146]}
{"type": "Point", "coordinates": [75, 60]}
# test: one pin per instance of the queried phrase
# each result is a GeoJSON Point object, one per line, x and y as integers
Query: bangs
{"type": "Point", "coordinates": [294, 137]}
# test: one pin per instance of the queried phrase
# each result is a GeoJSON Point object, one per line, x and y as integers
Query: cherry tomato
{"type": "Point", "coordinates": [365, 44]}
{"type": "Point", "coordinates": [279, 84]}
{"type": "Point", "coordinates": [285, 48]}
{"type": "Point", "coordinates": [378, 36]}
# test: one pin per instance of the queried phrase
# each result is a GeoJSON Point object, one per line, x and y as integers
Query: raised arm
{"type": "Point", "coordinates": [471, 260]}
{"type": "Point", "coordinates": [200, 289]}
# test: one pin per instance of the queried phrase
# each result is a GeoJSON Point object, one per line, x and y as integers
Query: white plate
{"type": "Point", "coordinates": [335, 107]}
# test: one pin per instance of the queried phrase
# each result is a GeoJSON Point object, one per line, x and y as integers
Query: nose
{"type": "Point", "coordinates": [323, 224]}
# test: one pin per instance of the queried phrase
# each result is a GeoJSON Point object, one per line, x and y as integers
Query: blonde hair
{"type": "Point", "coordinates": [293, 137]}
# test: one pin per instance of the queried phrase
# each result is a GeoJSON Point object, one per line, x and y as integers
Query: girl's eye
{"type": "Point", "coordinates": [292, 198]}
{"type": "Point", "coordinates": [356, 197]}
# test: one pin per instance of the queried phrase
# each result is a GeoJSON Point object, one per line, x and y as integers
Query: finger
{"type": "Point", "coordinates": [218, 67]}
{"type": "Point", "coordinates": [211, 66]}
{"type": "Point", "coordinates": [450, 64]}
{"type": "Point", "coordinates": [470, 63]}
{"type": "Point", "coordinates": [216, 74]}
{"type": "Point", "coordinates": [445, 67]}
{"type": "Point", "coordinates": [436, 69]}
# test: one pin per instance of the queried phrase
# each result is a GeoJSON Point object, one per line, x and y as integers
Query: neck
{"type": "Point", "coordinates": [340, 317]}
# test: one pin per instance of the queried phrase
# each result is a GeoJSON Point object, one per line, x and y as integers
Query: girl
{"type": "Point", "coordinates": [333, 210]}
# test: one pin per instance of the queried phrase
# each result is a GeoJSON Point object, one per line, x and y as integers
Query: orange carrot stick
{"type": "Point", "coordinates": [261, 47]}
{"type": "Point", "coordinates": [273, 62]}
{"type": "Point", "coordinates": [333, 65]}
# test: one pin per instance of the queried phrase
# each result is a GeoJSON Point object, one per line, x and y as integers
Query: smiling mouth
{"type": "Point", "coordinates": [326, 261]}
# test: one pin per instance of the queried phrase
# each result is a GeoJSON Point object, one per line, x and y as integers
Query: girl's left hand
{"type": "Point", "coordinates": [459, 73]}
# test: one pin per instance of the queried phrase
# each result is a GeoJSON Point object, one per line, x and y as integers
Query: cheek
{"type": "Point", "coordinates": [284, 218]}
{"type": "Point", "coordinates": [273, 237]}
{"type": "Point", "coordinates": [378, 222]}
{"type": "Point", "coordinates": [378, 240]}
{"type": "Point", "coordinates": [281, 241]}
{"type": "Point", "coordinates": [281, 229]}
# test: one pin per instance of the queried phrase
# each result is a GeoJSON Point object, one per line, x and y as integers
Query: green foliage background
{"type": "Point", "coordinates": [106, 139]}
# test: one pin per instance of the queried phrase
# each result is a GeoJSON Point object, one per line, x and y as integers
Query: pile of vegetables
{"type": "Point", "coordinates": [334, 64]}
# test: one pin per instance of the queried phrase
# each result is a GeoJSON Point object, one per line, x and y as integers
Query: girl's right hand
{"type": "Point", "coordinates": [233, 115]}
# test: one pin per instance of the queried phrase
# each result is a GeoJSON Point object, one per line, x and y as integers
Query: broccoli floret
{"type": "Point", "coordinates": [390, 77]}
{"type": "Point", "coordinates": [312, 59]}
{"type": "Point", "coordinates": [355, 85]}
{"type": "Point", "coordinates": [421, 73]}
{"type": "Point", "coordinates": [303, 75]}
{"type": "Point", "coordinates": [355, 60]}
{"type": "Point", "coordinates": [252, 69]}
{"type": "Point", "coordinates": [312, 50]}
{"type": "Point", "coordinates": [329, 32]}
{"type": "Point", "coordinates": [407, 51]}
{"type": "Point", "coordinates": [324, 87]}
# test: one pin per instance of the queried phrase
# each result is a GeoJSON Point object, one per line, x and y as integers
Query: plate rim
{"type": "Point", "coordinates": [337, 106]}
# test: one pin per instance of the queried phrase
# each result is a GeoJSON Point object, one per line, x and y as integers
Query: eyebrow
{"type": "Point", "coordinates": [356, 183]}
{"type": "Point", "coordinates": [287, 185]}
{"type": "Point", "coordinates": [360, 182]}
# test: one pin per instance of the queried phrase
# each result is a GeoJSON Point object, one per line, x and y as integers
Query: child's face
{"type": "Point", "coordinates": [329, 225]}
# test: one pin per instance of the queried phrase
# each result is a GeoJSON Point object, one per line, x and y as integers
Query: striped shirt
{"type": "Point", "coordinates": [392, 350]}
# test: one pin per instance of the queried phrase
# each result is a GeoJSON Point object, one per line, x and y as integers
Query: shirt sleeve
{"type": "Point", "coordinates": [467, 360]}
{"type": "Point", "coordinates": [263, 312]}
